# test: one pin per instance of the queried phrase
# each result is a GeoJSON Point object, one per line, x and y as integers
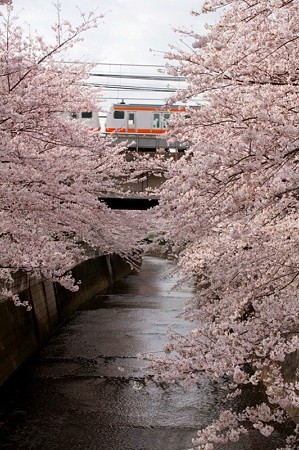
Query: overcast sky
{"type": "Point", "coordinates": [132, 31]}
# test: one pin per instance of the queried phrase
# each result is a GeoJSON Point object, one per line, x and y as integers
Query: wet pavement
{"type": "Point", "coordinates": [86, 388]}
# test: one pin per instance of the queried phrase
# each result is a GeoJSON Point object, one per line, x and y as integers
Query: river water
{"type": "Point", "coordinates": [85, 389]}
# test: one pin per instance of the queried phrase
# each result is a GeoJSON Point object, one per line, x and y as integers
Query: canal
{"type": "Point", "coordinates": [86, 388]}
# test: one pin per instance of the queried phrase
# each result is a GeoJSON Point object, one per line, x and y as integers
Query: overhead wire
{"type": "Point", "coordinates": [139, 77]}
{"type": "Point", "coordinates": [113, 71]}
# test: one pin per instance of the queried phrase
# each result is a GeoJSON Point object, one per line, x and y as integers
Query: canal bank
{"type": "Point", "coordinates": [23, 332]}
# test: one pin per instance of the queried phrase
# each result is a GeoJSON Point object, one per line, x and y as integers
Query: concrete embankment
{"type": "Point", "coordinates": [23, 332]}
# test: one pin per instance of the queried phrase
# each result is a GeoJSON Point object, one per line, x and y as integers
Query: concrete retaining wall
{"type": "Point", "coordinates": [290, 371]}
{"type": "Point", "coordinates": [23, 332]}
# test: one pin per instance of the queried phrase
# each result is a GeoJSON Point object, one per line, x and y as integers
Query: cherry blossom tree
{"type": "Point", "coordinates": [230, 208]}
{"type": "Point", "coordinates": [52, 169]}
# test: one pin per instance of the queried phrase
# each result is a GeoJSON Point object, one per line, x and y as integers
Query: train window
{"type": "Point", "coordinates": [156, 120]}
{"type": "Point", "coordinates": [119, 114]}
{"type": "Point", "coordinates": [86, 115]}
{"type": "Point", "coordinates": [165, 120]}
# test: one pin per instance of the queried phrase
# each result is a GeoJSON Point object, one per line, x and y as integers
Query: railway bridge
{"type": "Point", "coordinates": [139, 197]}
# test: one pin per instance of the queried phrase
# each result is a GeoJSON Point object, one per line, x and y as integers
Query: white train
{"type": "Point", "coordinates": [139, 119]}
{"type": "Point", "coordinates": [143, 126]}
{"type": "Point", "coordinates": [89, 118]}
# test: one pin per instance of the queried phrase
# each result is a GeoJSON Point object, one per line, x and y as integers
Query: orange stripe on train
{"type": "Point", "coordinates": [133, 131]}
{"type": "Point", "coordinates": [148, 108]}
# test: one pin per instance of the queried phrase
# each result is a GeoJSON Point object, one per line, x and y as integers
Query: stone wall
{"type": "Point", "coordinates": [23, 332]}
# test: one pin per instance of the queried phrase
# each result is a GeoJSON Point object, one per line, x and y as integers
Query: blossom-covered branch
{"type": "Point", "coordinates": [230, 207]}
{"type": "Point", "coordinates": [53, 170]}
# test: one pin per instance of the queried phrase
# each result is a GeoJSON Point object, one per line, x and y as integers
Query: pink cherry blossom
{"type": "Point", "coordinates": [53, 170]}
{"type": "Point", "coordinates": [230, 208]}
